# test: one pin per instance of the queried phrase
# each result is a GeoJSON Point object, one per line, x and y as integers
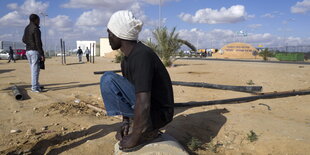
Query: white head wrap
{"type": "Point", "coordinates": [124, 25]}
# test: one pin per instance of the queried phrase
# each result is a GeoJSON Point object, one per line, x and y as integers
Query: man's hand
{"type": "Point", "coordinates": [42, 58]}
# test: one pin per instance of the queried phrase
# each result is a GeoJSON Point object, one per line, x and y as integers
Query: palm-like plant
{"type": "Point", "coordinates": [167, 44]}
{"type": "Point", "coordinates": [265, 53]}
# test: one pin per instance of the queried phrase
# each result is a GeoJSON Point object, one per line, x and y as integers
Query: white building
{"type": "Point", "coordinates": [105, 47]}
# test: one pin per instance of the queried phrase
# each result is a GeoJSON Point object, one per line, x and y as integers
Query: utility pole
{"type": "Point", "coordinates": [159, 14]}
{"type": "Point", "coordinates": [45, 15]}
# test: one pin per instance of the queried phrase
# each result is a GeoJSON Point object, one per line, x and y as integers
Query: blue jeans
{"type": "Point", "coordinates": [33, 58]}
{"type": "Point", "coordinates": [118, 95]}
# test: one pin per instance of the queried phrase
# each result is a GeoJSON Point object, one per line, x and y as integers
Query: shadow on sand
{"type": "Point", "coordinates": [51, 146]}
{"type": "Point", "coordinates": [203, 126]}
{"type": "Point", "coordinates": [6, 70]}
{"type": "Point", "coordinates": [45, 85]}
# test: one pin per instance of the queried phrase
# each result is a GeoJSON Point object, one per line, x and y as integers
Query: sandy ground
{"type": "Point", "coordinates": [59, 122]}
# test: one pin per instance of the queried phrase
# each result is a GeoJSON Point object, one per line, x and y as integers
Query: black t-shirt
{"type": "Point", "coordinates": [147, 73]}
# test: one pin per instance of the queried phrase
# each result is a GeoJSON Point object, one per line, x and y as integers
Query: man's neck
{"type": "Point", "coordinates": [127, 47]}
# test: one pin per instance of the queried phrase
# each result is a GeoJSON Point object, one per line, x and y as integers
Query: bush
{"type": "Point", "coordinates": [119, 57]}
{"type": "Point", "coordinates": [194, 144]}
{"type": "Point", "coordinates": [265, 54]}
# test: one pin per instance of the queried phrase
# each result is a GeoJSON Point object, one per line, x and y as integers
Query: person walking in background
{"type": "Point", "coordinates": [11, 55]}
{"type": "Point", "coordinates": [87, 52]}
{"type": "Point", "coordinates": [34, 50]}
{"type": "Point", "coordinates": [80, 54]}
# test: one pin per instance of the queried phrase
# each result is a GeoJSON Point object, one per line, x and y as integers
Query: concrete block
{"type": "Point", "coordinates": [163, 145]}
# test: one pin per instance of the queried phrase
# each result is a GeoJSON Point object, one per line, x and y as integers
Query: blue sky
{"type": "Point", "coordinates": [205, 23]}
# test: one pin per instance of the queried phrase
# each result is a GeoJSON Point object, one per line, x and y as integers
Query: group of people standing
{"type": "Point", "coordinates": [80, 54]}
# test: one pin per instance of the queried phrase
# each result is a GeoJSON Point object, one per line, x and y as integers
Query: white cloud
{"type": "Point", "coordinates": [12, 6]}
{"type": "Point", "coordinates": [60, 23]}
{"type": "Point", "coordinates": [233, 14]}
{"type": "Point", "coordinates": [268, 15]}
{"type": "Point", "coordinates": [19, 15]}
{"type": "Point", "coordinates": [32, 6]}
{"type": "Point", "coordinates": [255, 26]}
{"type": "Point", "coordinates": [107, 4]}
{"type": "Point", "coordinates": [93, 18]}
{"type": "Point", "coordinates": [5, 36]}
{"type": "Point", "coordinates": [12, 19]}
{"type": "Point", "coordinates": [301, 7]}
{"type": "Point", "coordinates": [156, 2]}
{"type": "Point", "coordinates": [217, 38]}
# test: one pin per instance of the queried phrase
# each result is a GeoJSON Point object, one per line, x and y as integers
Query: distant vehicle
{"type": "Point", "coordinates": [21, 53]}
{"type": "Point", "coordinates": [4, 54]}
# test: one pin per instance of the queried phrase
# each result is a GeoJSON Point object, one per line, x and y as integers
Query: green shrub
{"type": "Point", "coordinates": [119, 57]}
{"type": "Point", "coordinates": [252, 136]}
{"type": "Point", "coordinates": [194, 144]}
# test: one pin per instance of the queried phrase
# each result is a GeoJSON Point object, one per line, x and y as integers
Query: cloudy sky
{"type": "Point", "coordinates": [205, 23]}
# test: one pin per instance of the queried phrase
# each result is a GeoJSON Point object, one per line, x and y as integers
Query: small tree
{"type": "Point", "coordinates": [167, 44]}
{"type": "Point", "coordinates": [265, 53]}
{"type": "Point", "coordinates": [119, 56]}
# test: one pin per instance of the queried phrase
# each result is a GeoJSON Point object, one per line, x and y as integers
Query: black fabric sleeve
{"type": "Point", "coordinates": [143, 72]}
{"type": "Point", "coordinates": [37, 40]}
{"type": "Point", "coordinates": [24, 37]}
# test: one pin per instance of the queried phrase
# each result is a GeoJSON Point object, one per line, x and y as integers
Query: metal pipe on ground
{"type": "Point", "coordinates": [248, 89]}
{"type": "Point", "coordinates": [102, 72]}
{"type": "Point", "coordinates": [244, 99]}
{"type": "Point", "coordinates": [17, 94]}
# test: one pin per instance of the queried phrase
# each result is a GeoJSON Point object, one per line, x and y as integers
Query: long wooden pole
{"type": "Point", "coordinates": [217, 86]}
{"type": "Point", "coordinates": [62, 59]}
{"type": "Point", "coordinates": [244, 99]}
{"type": "Point", "coordinates": [93, 52]}
{"type": "Point", "coordinates": [90, 53]}
{"type": "Point", "coordinates": [102, 72]}
{"type": "Point", "coordinates": [64, 44]}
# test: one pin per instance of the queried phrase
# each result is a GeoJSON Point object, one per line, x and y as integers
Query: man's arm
{"type": "Point", "coordinates": [38, 42]}
{"type": "Point", "coordinates": [142, 112]}
{"type": "Point", "coordinates": [142, 120]}
{"type": "Point", "coordinates": [24, 37]}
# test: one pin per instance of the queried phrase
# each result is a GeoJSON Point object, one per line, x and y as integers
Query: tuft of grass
{"type": "Point", "coordinates": [250, 82]}
{"type": "Point", "coordinates": [214, 147]}
{"type": "Point", "coordinates": [194, 144]}
{"type": "Point", "coordinates": [252, 136]}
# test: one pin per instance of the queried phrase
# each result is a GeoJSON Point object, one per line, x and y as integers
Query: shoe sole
{"type": "Point", "coordinates": [138, 147]}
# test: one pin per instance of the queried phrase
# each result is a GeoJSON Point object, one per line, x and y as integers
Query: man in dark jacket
{"type": "Point", "coordinates": [34, 50]}
{"type": "Point", "coordinates": [11, 55]}
{"type": "Point", "coordinates": [80, 54]}
{"type": "Point", "coordinates": [143, 95]}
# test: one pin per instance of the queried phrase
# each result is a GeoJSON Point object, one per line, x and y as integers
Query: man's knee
{"type": "Point", "coordinates": [108, 77]}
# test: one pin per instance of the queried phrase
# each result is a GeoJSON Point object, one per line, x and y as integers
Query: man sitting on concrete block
{"type": "Point", "coordinates": [143, 95]}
